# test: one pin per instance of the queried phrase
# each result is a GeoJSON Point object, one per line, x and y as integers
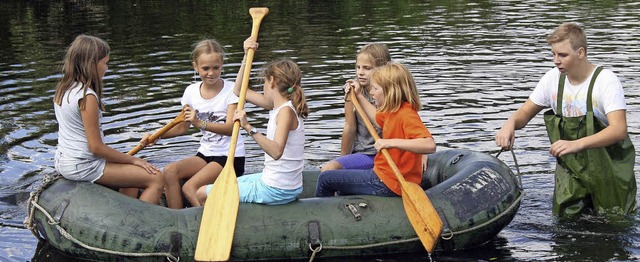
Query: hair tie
{"type": "Point", "coordinates": [290, 90]}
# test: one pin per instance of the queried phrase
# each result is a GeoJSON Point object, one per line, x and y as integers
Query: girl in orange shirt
{"type": "Point", "coordinates": [403, 135]}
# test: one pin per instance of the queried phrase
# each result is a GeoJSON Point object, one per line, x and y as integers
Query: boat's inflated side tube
{"type": "Point", "coordinates": [475, 194]}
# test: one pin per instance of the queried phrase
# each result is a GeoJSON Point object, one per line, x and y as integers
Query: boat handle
{"type": "Point", "coordinates": [354, 211]}
{"type": "Point", "coordinates": [447, 234]}
{"type": "Point", "coordinates": [455, 160]}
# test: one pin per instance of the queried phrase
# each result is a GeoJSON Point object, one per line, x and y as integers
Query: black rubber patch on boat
{"type": "Point", "coordinates": [314, 234]}
{"type": "Point", "coordinates": [176, 242]}
{"type": "Point", "coordinates": [479, 192]}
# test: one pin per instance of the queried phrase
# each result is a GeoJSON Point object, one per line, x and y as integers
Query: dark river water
{"type": "Point", "coordinates": [475, 62]}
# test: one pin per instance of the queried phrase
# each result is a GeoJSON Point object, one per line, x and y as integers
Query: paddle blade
{"type": "Point", "coordinates": [219, 218]}
{"type": "Point", "coordinates": [421, 214]}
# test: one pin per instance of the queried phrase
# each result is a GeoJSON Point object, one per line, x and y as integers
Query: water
{"type": "Point", "coordinates": [474, 62]}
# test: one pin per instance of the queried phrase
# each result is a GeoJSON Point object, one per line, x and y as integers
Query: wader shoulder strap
{"type": "Point", "coordinates": [590, 129]}
{"type": "Point", "coordinates": [590, 92]}
{"type": "Point", "coordinates": [590, 116]}
{"type": "Point", "coordinates": [560, 93]}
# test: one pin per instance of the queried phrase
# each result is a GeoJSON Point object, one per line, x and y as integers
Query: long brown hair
{"type": "Point", "coordinates": [287, 77]}
{"type": "Point", "coordinates": [376, 51]}
{"type": "Point", "coordinates": [80, 65]}
{"type": "Point", "coordinates": [397, 85]}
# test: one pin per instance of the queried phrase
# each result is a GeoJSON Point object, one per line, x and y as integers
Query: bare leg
{"type": "Point", "coordinates": [130, 191]}
{"type": "Point", "coordinates": [176, 171]}
{"type": "Point", "coordinates": [131, 176]}
{"type": "Point", "coordinates": [206, 175]}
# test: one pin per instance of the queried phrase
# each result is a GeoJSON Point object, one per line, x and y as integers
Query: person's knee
{"type": "Point", "coordinates": [321, 186]}
{"type": "Point", "coordinates": [171, 172]}
{"type": "Point", "coordinates": [158, 180]}
{"type": "Point", "coordinates": [201, 194]}
{"type": "Point", "coordinates": [188, 189]}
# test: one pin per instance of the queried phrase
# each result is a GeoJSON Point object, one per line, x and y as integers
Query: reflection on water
{"type": "Point", "coordinates": [474, 62]}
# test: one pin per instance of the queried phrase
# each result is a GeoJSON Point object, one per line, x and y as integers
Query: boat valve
{"type": "Point", "coordinates": [354, 211]}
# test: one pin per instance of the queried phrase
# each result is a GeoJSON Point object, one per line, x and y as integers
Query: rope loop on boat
{"type": "Point", "coordinates": [32, 205]}
{"type": "Point", "coordinates": [515, 161]}
{"type": "Point", "coordinates": [33, 198]}
{"type": "Point", "coordinates": [315, 251]}
{"type": "Point", "coordinates": [447, 234]}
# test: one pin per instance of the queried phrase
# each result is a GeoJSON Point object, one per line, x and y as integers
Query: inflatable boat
{"type": "Point", "coordinates": [475, 194]}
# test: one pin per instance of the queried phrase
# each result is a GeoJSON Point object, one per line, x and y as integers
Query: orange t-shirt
{"type": "Point", "coordinates": [404, 124]}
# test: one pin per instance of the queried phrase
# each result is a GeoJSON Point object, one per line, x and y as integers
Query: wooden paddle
{"type": "Point", "coordinates": [132, 191]}
{"type": "Point", "coordinates": [221, 208]}
{"type": "Point", "coordinates": [421, 213]}
{"type": "Point", "coordinates": [179, 119]}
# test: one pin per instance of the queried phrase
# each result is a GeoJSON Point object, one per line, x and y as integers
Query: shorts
{"type": "Point", "coordinates": [79, 169]}
{"type": "Point", "coordinates": [238, 162]}
{"type": "Point", "coordinates": [253, 190]}
{"type": "Point", "coordinates": [356, 161]}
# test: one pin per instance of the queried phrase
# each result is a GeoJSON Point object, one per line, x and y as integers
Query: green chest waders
{"type": "Point", "coordinates": [599, 178]}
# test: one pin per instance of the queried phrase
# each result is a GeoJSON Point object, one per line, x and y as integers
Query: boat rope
{"type": "Point", "coordinates": [515, 161]}
{"type": "Point", "coordinates": [448, 236]}
{"type": "Point", "coordinates": [33, 198]}
{"type": "Point", "coordinates": [33, 205]}
{"type": "Point", "coordinates": [320, 246]}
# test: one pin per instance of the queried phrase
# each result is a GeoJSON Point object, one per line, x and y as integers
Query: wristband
{"type": "Point", "coordinates": [203, 127]}
{"type": "Point", "coordinates": [252, 132]}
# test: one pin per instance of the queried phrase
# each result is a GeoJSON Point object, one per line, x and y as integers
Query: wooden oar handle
{"type": "Point", "coordinates": [257, 13]}
{"type": "Point", "coordinates": [179, 119]}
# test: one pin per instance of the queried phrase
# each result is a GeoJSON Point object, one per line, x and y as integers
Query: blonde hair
{"type": "Point", "coordinates": [287, 78]}
{"type": "Point", "coordinates": [80, 65]}
{"type": "Point", "coordinates": [397, 85]}
{"type": "Point", "coordinates": [378, 52]}
{"type": "Point", "coordinates": [207, 46]}
{"type": "Point", "coordinates": [571, 31]}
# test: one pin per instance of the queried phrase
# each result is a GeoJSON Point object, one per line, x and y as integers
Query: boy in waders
{"type": "Point", "coordinates": [587, 127]}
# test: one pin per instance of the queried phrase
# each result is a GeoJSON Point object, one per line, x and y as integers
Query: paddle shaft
{"type": "Point", "coordinates": [179, 119]}
{"type": "Point", "coordinates": [220, 211]}
{"type": "Point", "coordinates": [375, 136]}
{"type": "Point", "coordinates": [419, 209]}
{"type": "Point", "coordinates": [243, 88]}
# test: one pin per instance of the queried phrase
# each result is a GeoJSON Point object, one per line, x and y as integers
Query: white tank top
{"type": "Point", "coordinates": [286, 172]}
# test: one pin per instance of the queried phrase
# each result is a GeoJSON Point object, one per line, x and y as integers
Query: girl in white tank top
{"type": "Point", "coordinates": [280, 181]}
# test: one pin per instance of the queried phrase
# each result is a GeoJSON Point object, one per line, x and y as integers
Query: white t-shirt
{"type": "Point", "coordinates": [286, 172]}
{"type": "Point", "coordinates": [72, 140]}
{"type": "Point", "coordinates": [607, 94]}
{"type": "Point", "coordinates": [213, 110]}
{"type": "Point", "coordinates": [73, 159]}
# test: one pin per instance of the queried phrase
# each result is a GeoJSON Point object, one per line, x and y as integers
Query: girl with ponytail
{"type": "Point", "coordinates": [280, 181]}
